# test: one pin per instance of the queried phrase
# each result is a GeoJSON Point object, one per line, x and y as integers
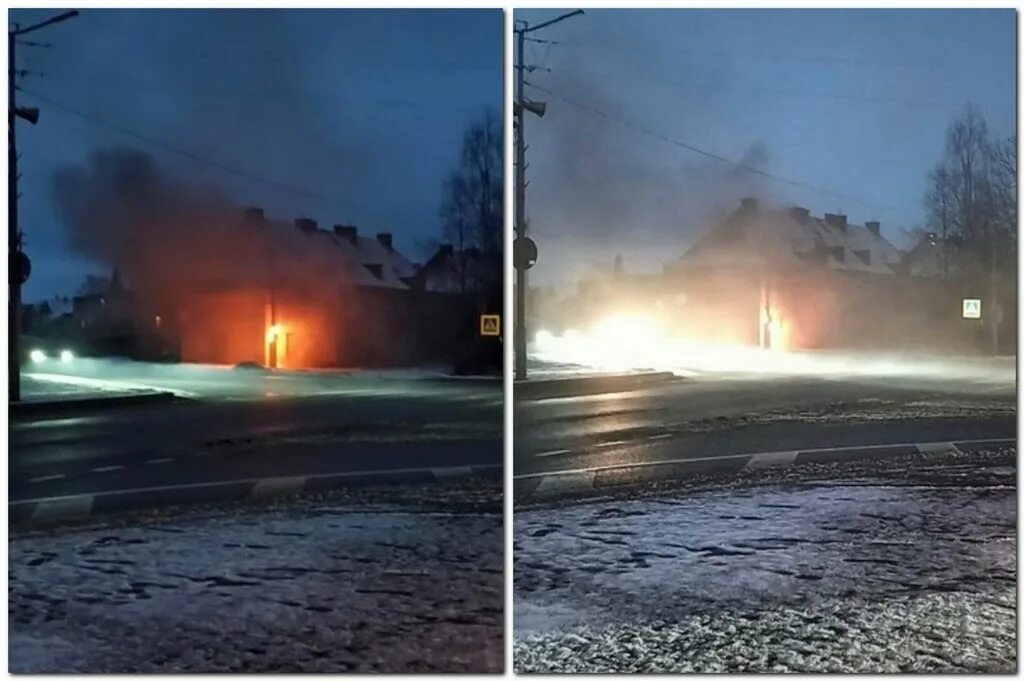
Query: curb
{"type": "Point", "coordinates": [544, 486]}
{"type": "Point", "coordinates": [87, 505]}
{"type": "Point", "coordinates": [47, 407]}
{"type": "Point", "coordinates": [547, 388]}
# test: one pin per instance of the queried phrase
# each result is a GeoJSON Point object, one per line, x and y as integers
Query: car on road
{"type": "Point", "coordinates": [38, 352]}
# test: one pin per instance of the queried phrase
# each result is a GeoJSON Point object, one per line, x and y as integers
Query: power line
{"type": "Point", "coordinates": [697, 150]}
{"type": "Point", "coordinates": [622, 47]}
{"type": "Point", "coordinates": [794, 93]}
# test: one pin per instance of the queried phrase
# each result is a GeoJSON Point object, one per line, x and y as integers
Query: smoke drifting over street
{"type": "Point", "coordinates": [608, 189]}
{"type": "Point", "coordinates": [303, 113]}
{"type": "Point", "coordinates": [162, 234]}
{"type": "Point", "coordinates": [847, 112]}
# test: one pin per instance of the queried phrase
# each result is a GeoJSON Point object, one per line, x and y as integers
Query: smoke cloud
{"type": "Point", "coordinates": [166, 237]}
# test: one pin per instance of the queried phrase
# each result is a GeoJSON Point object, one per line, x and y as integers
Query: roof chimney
{"type": "Point", "coordinates": [385, 239]}
{"type": "Point", "coordinates": [748, 204]}
{"type": "Point", "coordinates": [349, 232]}
{"type": "Point", "coordinates": [836, 220]}
{"type": "Point", "coordinates": [306, 225]}
{"type": "Point", "coordinates": [874, 227]}
{"type": "Point", "coordinates": [447, 249]}
{"type": "Point", "coordinates": [253, 215]}
{"type": "Point", "coordinates": [799, 213]}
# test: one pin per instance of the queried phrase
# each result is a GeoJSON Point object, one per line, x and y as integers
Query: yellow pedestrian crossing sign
{"type": "Point", "coordinates": [972, 308]}
{"type": "Point", "coordinates": [490, 325]}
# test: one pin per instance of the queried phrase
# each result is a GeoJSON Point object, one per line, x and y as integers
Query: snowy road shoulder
{"type": "Point", "coordinates": [889, 569]}
{"type": "Point", "coordinates": [313, 586]}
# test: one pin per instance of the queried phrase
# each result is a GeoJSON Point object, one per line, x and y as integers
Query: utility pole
{"type": "Point", "coordinates": [520, 109]}
{"type": "Point", "coordinates": [16, 260]}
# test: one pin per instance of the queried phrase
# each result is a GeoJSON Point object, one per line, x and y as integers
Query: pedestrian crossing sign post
{"type": "Point", "coordinates": [490, 325]}
{"type": "Point", "coordinates": [972, 308]}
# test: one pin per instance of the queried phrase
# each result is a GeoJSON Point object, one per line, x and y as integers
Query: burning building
{"type": "Point", "coordinates": [217, 284]}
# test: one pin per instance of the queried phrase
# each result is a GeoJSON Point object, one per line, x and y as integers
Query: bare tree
{"type": "Point", "coordinates": [972, 196]}
{"type": "Point", "coordinates": [472, 208]}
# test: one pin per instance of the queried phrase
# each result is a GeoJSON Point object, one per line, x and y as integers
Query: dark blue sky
{"type": "Point", "coordinates": [364, 109]}
{"type": "Point", "coordinates": [853, 101]}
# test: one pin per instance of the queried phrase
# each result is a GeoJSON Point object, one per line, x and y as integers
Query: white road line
{"type": "Point", "coordinates": [220, 483]}
{"type": "Point", "coordinates": [75, 506]}
{"type": "Point", "coordinates": [47, 478]}
{"type": "Point", "coordinates": [272, 487]}
{"type": "Point", "coordinates": [769, 459]}
{"type": "Point", "coordinates": [452, 472]}
{"type": "Point", "coordinates": [166, 459]}
{"type": "Point", "coordinates": [553, 452]}
{"type": "Point", "coordinates": [663, 436]}
{"type": "Point", "coordinates": [107, 469]}
{"type": "Point", "coordinates": [613, 443]}
{"type": "Point", "coordinates": [670, 462]}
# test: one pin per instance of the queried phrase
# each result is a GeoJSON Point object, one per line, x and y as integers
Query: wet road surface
{"type": "Point", "coordinates": [708, 416]}
{"type": "Point", "coordinates": [362, 424]}
{"type": "Point", "coordinates": [297, 587]}
{"type": "Point", "coordinates": [881, 569]}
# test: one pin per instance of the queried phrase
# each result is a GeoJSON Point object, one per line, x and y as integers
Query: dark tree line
{"type": "Point", "coordinates": [472, 209]}
{"type": "Point", "coordinates": [971, 202]}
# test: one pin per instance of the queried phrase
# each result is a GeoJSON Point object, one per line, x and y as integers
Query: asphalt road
{"type": "Point", "coordinates": [244, 425]}
{"type": "Point", "coordinates": [878, 568]}
{"type": "Point", "coordinates": [708, 415]}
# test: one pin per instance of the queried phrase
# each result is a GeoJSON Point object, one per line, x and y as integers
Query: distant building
{"type": "Point", "coordinates": [779, 238]}
{"type": "Point", "coordinates": [458, 272]}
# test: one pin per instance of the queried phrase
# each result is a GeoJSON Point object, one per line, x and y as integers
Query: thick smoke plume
{"type": "Point", "coordinates": [166, 237]}
{"type": "Point", "coordinates": [598, 187]}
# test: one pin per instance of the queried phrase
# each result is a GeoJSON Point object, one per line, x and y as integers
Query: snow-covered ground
{"type": "Point", "coordinates": [305, 587]}
{"type": "Point", "coordinates": [112, 375]}
{"type": "Point", "coordinates": [882, 570]}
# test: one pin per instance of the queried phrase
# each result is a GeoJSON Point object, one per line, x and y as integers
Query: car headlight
{"type": "Point", "coordinates": [66, 356]}
{"type": "Point", "coordinates": [37, 356]}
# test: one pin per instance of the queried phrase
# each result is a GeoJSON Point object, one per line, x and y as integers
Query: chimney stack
{"type": "Point", "coordinates": [799, 213]}
{"type": "Point", "coordinates": [306, 225]}
{"type": "Point", "coordinates": [253, 215]}
{"type": "Point", "coordinates": [447, 249]}
{"type": "Point", "coordinates": [385, 239]}
{"type": "Point", "coordinates": [874, 227]}
{"type": "Point", "coordinates": [748, 204]}
{"type": "Point", "coordinates": [348, 232]}
{"type": "Point", "coordinates": [836, 220]}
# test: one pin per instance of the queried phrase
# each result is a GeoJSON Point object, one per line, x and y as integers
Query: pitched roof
{"type": "Point", "coordinates": [757, 235]}
{"type": "Point", "coordinates": [359, 260]}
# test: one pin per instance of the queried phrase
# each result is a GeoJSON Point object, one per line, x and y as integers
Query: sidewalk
{"type": "Point", "coordinates": [591, 384]}
{"type": "Point", "coordinates": [55, 393]}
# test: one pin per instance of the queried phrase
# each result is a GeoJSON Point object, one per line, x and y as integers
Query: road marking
{"type": "Point", "coordinates": [663, 436]}
{"type": "Point", "coordinates": [452, 471]}
{"type": "Point", "coordinates": [553, 452]}
{"type": "Point", "coordinates": [222, 483]}
{"type": "Point", "coordinates": [63, 507]}
{"type": "Point", "coordinates": [671, 462]}
{"type": "Point", "coordinates": [769, 459]}
{"type": "Point", "coordinates": [272, 487]}
{"type": "Point", "coordinates": [938, 448]}
{"type": "Point", "coordinates": [613, 443]}
{"type": "Point", "coordinates": [107, 469]}
{"type": "Point", "coordinates": [47, 478]}
{"type": "Point", "coordinates": [166, 459]}
{"type": "Point", "coordinates": [582, 480]}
